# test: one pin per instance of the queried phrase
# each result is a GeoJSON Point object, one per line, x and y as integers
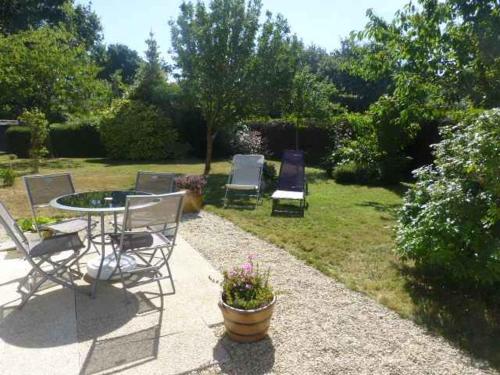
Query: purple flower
{"type": "Point", "coordinates": [247, 267]}
{"type": "Point", "coordinates": [248, 286]}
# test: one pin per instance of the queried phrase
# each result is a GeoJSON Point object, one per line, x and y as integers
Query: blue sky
{"type": "Point", "coordinates": [322, 22]}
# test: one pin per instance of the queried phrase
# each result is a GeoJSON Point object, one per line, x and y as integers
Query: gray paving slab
{"type": "Point", "coordinates": [155, 332]}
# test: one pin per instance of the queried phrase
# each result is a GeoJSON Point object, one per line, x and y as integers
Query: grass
{"type": "Point", "coordinates": [347, 233]}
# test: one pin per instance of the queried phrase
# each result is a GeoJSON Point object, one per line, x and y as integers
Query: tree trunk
{"type": "Point", "coordinates": [210, 144]}
{"type": "Point", "coordinates": [296, 135]}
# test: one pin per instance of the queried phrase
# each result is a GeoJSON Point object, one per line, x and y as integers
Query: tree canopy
{"type": "Point", "coordinates": [213, 48]}
{"type": "Point", "coordinates": [42, 69]}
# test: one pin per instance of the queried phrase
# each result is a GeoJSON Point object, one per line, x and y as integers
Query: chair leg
{"type": "Point", "coordinates": [226, 198]}
{"type": "Point", "coordinates": [118, 259]}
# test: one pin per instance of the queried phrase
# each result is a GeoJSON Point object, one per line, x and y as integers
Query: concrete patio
{"type": "Point", "coordinates": [63, 332]}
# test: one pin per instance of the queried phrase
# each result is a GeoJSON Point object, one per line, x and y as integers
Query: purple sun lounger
{"type": "Point", "coordinates": [292, 184]}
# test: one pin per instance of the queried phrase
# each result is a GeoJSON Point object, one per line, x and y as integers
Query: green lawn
{"type": "Point", "coordinates": [347, 233]}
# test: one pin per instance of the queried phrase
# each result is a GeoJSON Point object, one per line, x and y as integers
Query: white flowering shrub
{"type": "Point", "coordinates": [450, 220]}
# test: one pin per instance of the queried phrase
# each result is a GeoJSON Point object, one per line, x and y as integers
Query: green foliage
{"type": "Point", "coordinates": [247, 287]}
{"type": "Point", "coordinates": [39, 130]}
{"type": "Point", "coordinates": [77, 138]}
{"type": "Point", "coordinates": [213, 50]}
{"type": "Point", "coordinates": [451, 218]}
{"type": "Point", "coordinates": [151, 86]}
{"type": "Point", "coordinates": [18, 140]}
{"type": "Point", "coordinates": [275, 63]}
{"type": "Point", "coordinates": [269, 172]}
{"type": "Point", "coordinates": [45, 69]}
{"type": "Point", "coordinates": [354, 173]}
{"type": "Point", "coordinates": [79, 20]}
{"type": "Point", "coordinates": [28, 225]}
{"type": "Point", "coordinates": [8, 176]}
{"type": "Point", "coordinates": [134, 130]}
{"type": "Point", "coordinates": [120, 58]}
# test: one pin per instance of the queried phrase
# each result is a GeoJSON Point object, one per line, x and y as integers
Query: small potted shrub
{"type": "Point", "coordinates": [194, 186]}
{"type": "Point", "coordinates": [247, 302]}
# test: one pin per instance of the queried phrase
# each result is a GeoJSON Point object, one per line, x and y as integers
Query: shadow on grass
{"type": "Point", "coordinates": [113, 163]}
{"type": "Point", "coordinates": [389, 208]}
{"type": "Point", "coordinates": [25, 166]}
{"type": "Point", "coordinates": [215, 191]}
{"type": "Point", "coordinates": [469, 318]}
{"type": "Point", "coordinates": [400, 188]}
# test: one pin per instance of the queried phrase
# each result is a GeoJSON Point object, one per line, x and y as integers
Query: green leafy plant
{"type": "Point", "coordinates": [450, 221]}
{"type": "Point", "coordinates": [269, 172]}
{"type": "Point", "coordinates": [133, 130]}
{"type": "Point", "coordinates": [8, 175]}
{"type": "Point", "coordinates": [28, 225]}
{"type": "Point", "coordinates": [39, 127]}
{"type": "Point", "coordinates": [247, 287]}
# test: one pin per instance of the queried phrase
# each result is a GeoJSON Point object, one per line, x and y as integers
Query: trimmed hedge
{"type": "Point", "coordinates": [65, 140]}
{"type": "Point", "coordinates": [18, 140]}
{"type": "Point", "coordinates": [75, 140]}
{"type": "Point", "coordinates": [279, 136]}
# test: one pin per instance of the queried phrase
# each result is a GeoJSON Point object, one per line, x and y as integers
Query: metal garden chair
{"type": "Point", "coordinates": [292, 183]}
{"type": "Point", "coordinates": [41, 190]}
{"type": "Point", "coordinates": [142, 235]}
{"type": "Point", "coordinates": [245, 178]}
{"type": "Point", "coordinates": [155, 183]}
{"type": "Point", "coordinates": [51, 259]}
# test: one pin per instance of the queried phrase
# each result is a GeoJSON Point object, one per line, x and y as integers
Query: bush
{"type": "Point", "coordinates": [8, 176]}
{"type": "Point", "coordinates": [39, 127]}
{"type": "Point", "coordinates": [354, 173]}
{"type": "Point", "coordinates": [247, 141]}
{"type": "Point", "coordinates": [79, 138]}
{"type": "Point", "coordinates": [133, 130]}
{"type": "Point", "coordinates": [450, 221]}
{"type": "Point", "coordinates": [18, 140]}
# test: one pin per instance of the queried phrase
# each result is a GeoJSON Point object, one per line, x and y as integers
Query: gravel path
{"type": "Point", "coordinates": [320, 326]}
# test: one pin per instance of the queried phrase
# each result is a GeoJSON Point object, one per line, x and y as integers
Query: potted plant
{"type": "Point", "coordinates": [194, 186]}
{"type": "Point", "coordinates": [247, 302]}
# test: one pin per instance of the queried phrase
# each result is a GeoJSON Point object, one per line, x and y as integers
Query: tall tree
{"type": "Point", "coordinates": [80, 19]}
{"type": "Point", "coordinates": [151, 84]}
{"type": "Point", "coordinates": [42, 69]}
{"type": "Point", "coordinates": [213, 49]}
{"type": "Point", "coordinates": [310, 101]}
{"type": "Point", "coordinates": [276, 62]}
{"type": "Point", "coordinates": [119, 57]}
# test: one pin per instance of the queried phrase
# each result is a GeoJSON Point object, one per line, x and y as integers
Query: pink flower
{"type": "Point", "coordinates": [247, 267]}
{"type": "Point", "coordinates": [251, 257]}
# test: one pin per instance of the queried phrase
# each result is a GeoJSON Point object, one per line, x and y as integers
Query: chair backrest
{"type": "Point", "coordinates": [42, 189]}
{"type": "Point", "coordinates": [13, 230]}
{"type": "Point", "coordinates": [155, 183]}
{"type": "Point", "coordinates": [143, 211]}
{"type": "Point", "coordinates": [247, 169]}
{"type": "Point", "coordinates": [292, 171]}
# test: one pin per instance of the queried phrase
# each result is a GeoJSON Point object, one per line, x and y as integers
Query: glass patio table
{"type": "Point", "coordinates": [101, 204]}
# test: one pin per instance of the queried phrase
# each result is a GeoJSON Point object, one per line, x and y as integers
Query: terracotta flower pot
{"type": "Point", "coordinates": [192, 202]}
{"type": "Point", "coordinates": [247, 325]}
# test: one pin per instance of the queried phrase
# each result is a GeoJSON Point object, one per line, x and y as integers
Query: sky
{"type": "Point", "coordinates": [322, 22]}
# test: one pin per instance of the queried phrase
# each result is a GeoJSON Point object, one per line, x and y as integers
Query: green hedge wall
{"type": "Point", "coordinates": [65, 140]}
{"type": "Point", "coordinates": [75, 140]}
{"type": "Point", "coordinates": [18, 139]}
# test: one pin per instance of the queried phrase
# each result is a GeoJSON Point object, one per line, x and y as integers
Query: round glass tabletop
{"type": "Point", "coordinates": [94, 201]}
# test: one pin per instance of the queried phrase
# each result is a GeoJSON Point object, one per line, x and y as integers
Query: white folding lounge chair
{"type": "Point", "coordinates": [245, 178]}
